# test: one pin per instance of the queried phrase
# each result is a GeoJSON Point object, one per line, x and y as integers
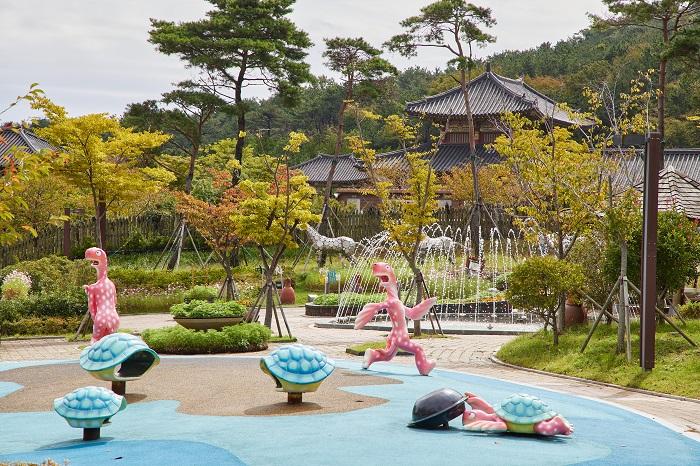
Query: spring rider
{"type": "Point", "coordinates": [398, 337]}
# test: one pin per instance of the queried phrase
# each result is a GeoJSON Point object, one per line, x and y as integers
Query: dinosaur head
{"type": "Point", "coordinates": [387, 279]}
{"type": "Point", "coordinates": [97, 258]}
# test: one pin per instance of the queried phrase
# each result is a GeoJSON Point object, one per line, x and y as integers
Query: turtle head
{"type": "Point", "coordinates": [97, 258]}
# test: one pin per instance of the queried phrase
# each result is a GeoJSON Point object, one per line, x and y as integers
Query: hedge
{"type": "Point", "coordinates": [234, 339]}
{"type": "Point", "coordinates": [40, 326]}
{"type": "Point", "coordinates": [198, 309]}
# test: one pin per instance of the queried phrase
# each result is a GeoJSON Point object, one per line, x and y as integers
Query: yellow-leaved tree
{"type": "Point", "coordinates": [103, 159]}
{"type": "Point", "coordinates": [404, 217]}
{"type": "Point", "coordinates": [269, 213]}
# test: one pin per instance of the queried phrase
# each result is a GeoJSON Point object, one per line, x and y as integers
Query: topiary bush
{"type": "Point", "coordinates": [201, 293]}
{"type": "Point", "coordinates": [690, 310]}
{"type": "Point", "coordinates": [234, 339]}
{"type": "Point", "coordinates": [198, 309]}
{"type": "Point", "coordinates": [164, 279]}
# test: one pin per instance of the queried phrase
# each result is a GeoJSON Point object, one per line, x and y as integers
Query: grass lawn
{"type": "Point", "coordinates": [677, 368]}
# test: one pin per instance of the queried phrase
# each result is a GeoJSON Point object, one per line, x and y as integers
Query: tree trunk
{"type": "Point", "coordinates": [268, 299]}
{"type": "Point", "coordinates": [334, 162]}
{"type": "Point", "coordinates": [418, 280]}
{"type": "Point", "coordinates": [622, 307]}
{"type": "Point", "coordinates": [174, 261]}
{"type": "Point", "coordinates": [555, 331]}
{"type": "Point", "coordinates": [240, 137]}
{"type": "Point", "coordinates": [471, 136]}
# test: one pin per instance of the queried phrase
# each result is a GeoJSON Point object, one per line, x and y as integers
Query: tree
{"type": "Point", "coordinates": [362, 70]}
{"type": "Point", "coordinates": [496, 181]}
{"type": "Point", "coordinates": [538, 284]}
{"type": "Point", "coordinates": [185, 115]}
{"type": "Point", "coordinates": [675, 21]}
{"type": "Point", "coordinates": [214, 222]}
{"type": "Point", "coordinates": [270, 212]}
{"type": "Point", "coordinates": [455, 26]}
{"type": "Point", "coordinates": [103, 159]}
{"type": "Point", "coordinates": [404, 219]}
{"type": "Point", "coordinates": [560, 179]}
{"type": "Point", "coordinates": [240, 43]}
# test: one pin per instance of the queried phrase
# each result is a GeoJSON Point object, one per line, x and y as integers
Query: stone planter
{"type": "Point", "coordinates": [206, 324]}
{"type": "Point", "coordinates": [320, 310]}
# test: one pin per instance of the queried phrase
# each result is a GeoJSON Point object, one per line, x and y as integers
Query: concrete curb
{"type": "Point", "coordinates": [495, 360]}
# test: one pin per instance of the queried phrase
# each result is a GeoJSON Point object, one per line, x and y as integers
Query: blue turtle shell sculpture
{"type": "Point", "coordinates": [89, 407]}
{"type": "Point", "coordinates": [524, 409]}
{"type": "Point", "coordinates": [297, 368]}
{"type": "Point", "coordinates": [118, 357]}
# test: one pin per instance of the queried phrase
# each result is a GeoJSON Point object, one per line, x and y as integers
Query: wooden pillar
{"type": "Point", "coordinates": [66, 234]}
{"type": "Point", "coordinates": [649, 236]}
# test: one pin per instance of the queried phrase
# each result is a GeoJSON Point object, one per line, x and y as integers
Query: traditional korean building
{"type": "Point", "coordinates": [16, 136]}
{"type": "Point", "coordinates": [490, 95]}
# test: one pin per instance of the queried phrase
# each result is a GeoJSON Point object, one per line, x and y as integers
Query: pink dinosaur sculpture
{"type": "Point", "coordinates": [398, 337]}
{"type": "Point", "coordinates": [102, 297]}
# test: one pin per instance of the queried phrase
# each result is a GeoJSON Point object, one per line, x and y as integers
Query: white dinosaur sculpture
{"type": "Point", "coordinates": [443, 244]}
{"type": "Point", "coordinates": [343, 245]}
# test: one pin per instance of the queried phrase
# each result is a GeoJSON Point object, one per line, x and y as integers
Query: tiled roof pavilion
{"type": "Point", "coordinates": [490, 95]}
{"type": "Point", "coordinates": [16, 136]}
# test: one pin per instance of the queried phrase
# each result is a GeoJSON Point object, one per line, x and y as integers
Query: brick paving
{"type": "Point", "coordinates": [468, 353]}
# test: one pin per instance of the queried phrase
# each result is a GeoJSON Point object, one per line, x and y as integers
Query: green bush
{"type": "Point", "coordinates": [54, 273]}
{"type": "Point", "coordinates": [198, 309]}
{"type": "Point", "coordinates": [234, 339]}
{"type": "Point", "coordinates": [137, 242]}
{"type": "Point", "coordinates": [691, 310]}
{"type": "Point", "coordinates": [70, 304]}
{"type": "Point", "coordinates": [40, 326]}
{"type": "Point", "coordinates": [202, 293]}
{"type": "Point", "coordinates": [360, 299]}
{"type": "Point", "coordinates": [147, 303]}
{"type": "Point", "coordinates": [330, 299]}
{"type": "Point", "coordinates": [163, 279]}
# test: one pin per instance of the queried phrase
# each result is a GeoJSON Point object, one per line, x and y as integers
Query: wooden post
{"type": "Point", "coordinates": [649, 237]}
{"type": "Point", "coordinates": [66, 234]}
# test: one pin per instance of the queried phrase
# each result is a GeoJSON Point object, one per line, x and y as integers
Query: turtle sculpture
{"type": "Point", "coordinates": [297, 369]}
{"type": "Point", "coordinates": [102, 297]}
{"type": "Point", "coordinates": [118, 357]}
{"type": "Point", "coordinates": [89, 408]}
{"type": "Point", "coordinates": [519, 413]}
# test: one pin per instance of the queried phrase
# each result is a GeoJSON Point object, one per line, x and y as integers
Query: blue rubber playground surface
{"type": "Point", "coordinates": [154, 433]}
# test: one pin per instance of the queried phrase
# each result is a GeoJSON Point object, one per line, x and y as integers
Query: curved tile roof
{"type": "Point", "coordinates": [348, 169]}
{"type": "Point", "coordinates": [490, 94]}
{"type": "Point", "coordinates": [677, 192]}
{"type": "Point", "coordinates": [20, 137]}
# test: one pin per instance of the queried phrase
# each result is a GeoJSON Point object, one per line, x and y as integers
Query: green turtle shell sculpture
{"type": "Point", "coordinates": [89, 408]}
{"type": "Point", "coordinates": [297, 369]}
{"type": "Point", "coordinates": [520, 413]}
{"type": "Point", "coordinates": [118, 357]}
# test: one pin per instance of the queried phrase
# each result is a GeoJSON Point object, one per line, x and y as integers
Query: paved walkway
{"type": "Point", "coordinates": [468, 353]}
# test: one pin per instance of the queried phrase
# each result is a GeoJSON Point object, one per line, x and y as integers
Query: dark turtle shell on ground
{"type": "Point", "coordinates": [299, 364]}
{"type": "Point", "coordinates": [89, 407]}
{"type": "Point", "coordinates": [524, 409]}
{"type": "Point", "coordinates": [119, 348]}
{"type": "Point", "coordinates": [437, 408]}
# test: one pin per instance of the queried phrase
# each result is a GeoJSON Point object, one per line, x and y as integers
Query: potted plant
{"type": "Point", "coordinates": [203, 315]}
{"type": "Point", "coordinates": [573, 310]}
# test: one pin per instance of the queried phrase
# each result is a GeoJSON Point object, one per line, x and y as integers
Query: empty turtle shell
{"type": "Point", "coordinates": [437, 408]}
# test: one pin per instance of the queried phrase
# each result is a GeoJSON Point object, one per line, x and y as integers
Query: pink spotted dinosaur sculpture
{"type": "Point", "coordinates": [398, 337]}
{"type": "Point", "coordinates": [102, 297]}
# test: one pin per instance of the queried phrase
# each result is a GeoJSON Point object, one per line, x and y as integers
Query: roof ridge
{"type": "Point", "coordinates": [497, 79]}
{"type": "Point", "coordinates": [444, 93]}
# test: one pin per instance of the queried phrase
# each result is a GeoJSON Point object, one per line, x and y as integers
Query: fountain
{"type": "Point", "coordinates": [469, 282]}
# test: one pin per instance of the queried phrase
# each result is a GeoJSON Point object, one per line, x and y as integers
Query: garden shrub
{"type": "Point", "coordinates": [147, 303]}
{"type": "Point", "coordinates": [163, 279]}
{"type": "Point", "coordinates": [40, 326]}
{"type": "Point", "coordinates": [198, 309]}
{"type": "Point", "coordinates": [54, 273]}
{"type": "Point", "coordinates": [234, 339]}
{"type": "Point", "coordinates": [690, 310]}
{"type": "Point", "coordinates": [360, 299]}
{"type": "Point", "coordinates": [16, 285]}
{"type": "Point", "coordinates": [137, 242]}
{"type": "Point", "coordinates": [69, 304]}
{"type": "Point", "coordinates": [330, 299]}
{"type": "Point", "coordinates": [202, 293]}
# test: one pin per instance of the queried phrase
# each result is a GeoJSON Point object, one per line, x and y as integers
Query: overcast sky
{"type": "Point", "coordinates": [93, 56]}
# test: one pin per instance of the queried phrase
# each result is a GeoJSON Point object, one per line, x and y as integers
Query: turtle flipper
{"type": "Point", "coordinates": [555, 426]}
{"type": "Point", "coordinates": [472, 423]}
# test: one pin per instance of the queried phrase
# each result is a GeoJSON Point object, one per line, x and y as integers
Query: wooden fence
{"type": "Point", "coordinates": [82, 233]}
{"type": "Point", "coordinates": [368, 224]}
